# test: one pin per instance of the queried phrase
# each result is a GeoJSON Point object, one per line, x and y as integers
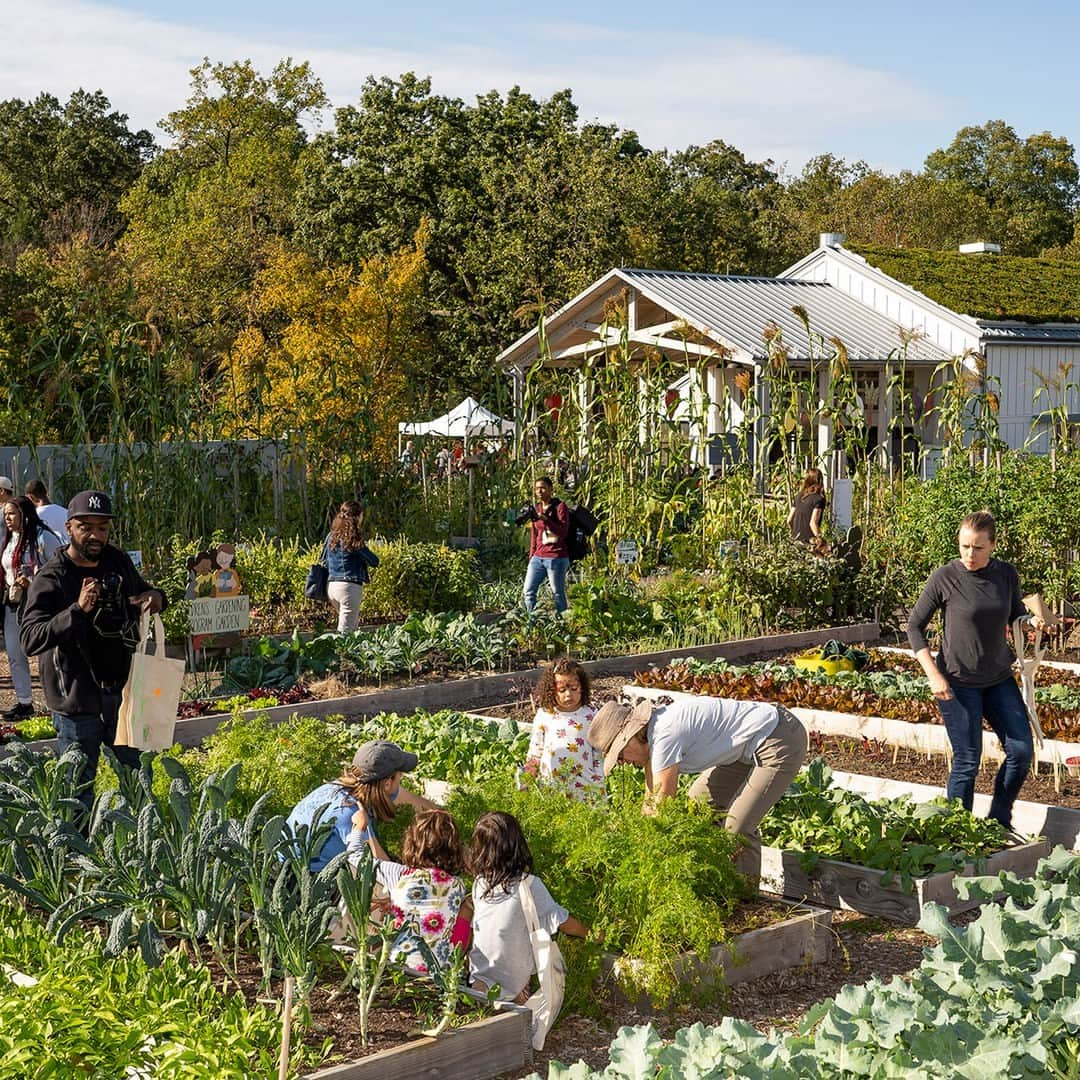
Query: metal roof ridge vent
{"type": "Point", "coordinates": [980, 247]}
{"type": "Point", "coordinates": [831, 239]}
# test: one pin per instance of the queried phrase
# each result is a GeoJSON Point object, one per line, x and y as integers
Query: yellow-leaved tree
{"type": "Point", "coordinates": [328, 353]}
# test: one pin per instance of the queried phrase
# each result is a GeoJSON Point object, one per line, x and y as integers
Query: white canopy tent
{"type": "Point", "coordinates": [468, 420]}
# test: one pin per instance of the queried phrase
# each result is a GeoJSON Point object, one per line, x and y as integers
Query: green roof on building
{"type": "Point", "coordinates": [992, 287]}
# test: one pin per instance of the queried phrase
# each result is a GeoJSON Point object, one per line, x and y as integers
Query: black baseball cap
{"type": "Point", "coordinates": [90, 504]}
{"type": "Point", "coordinates": [380, 759]}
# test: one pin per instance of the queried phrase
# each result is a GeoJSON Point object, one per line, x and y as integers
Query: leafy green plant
{"type": "Point", "coordinates": [996, 997]}
{"type": "Point", "coordinates": [906, 840]}
{"type": "Point", "coordinates": [169, 1022]}
{"type": "Point", "coordinates": [452, 746]}
{"type": "Point", "coordinates": [421, 577]}
{"type": "Point", "coordinates": [277, 664]}
{"type": "Point", "coordinates": [282, 761]}
{"type": "Point", "coordinates": [655, 886]}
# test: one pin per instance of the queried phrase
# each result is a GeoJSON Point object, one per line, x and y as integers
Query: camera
{"type": "Point", "coordinates": [111, 615]}
{"type": "Point", "coordinates": [527, 513]}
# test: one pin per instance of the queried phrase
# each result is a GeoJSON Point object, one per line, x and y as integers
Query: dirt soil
{"type": "Point", "coordinates": [871, 757]}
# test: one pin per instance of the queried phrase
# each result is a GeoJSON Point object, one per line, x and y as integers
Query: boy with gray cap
{"type": "Point", "coordinates": [745, 755]}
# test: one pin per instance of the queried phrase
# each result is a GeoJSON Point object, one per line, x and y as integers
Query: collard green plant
{"type": "Point", "coordinates": [997, 997]}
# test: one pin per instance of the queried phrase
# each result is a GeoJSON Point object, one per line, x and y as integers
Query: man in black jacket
{"type": "Point", "coordinates": [80, 619]}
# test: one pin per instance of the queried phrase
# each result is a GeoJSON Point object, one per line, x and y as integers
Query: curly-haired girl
{"type": "Point", "coordinates": [559, 752]}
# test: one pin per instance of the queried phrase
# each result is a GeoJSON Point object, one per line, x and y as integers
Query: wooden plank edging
{"type": "Point", "coordinates": [477, 1051]}
{"type": "Point", "coordinates": [804, 938]}
{"type": "Point", "coordinates": [859, 888]}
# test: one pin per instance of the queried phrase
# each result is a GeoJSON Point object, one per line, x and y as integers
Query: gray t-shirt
{"type": "Point", "coordinates": [501, 951]}
{"type": "Point", "coordinates": [702, 733]}
{"type": "Point", "coordinates": [976, 607]}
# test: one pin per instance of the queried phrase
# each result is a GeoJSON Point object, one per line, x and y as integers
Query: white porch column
{"type": "Point", "coordinates": [885, 415]}
{"type": "Point", "coordinates": [824, 423]}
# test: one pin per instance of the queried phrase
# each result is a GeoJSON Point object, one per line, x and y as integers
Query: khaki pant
{"type": "Point", "coordinates": [346, 594]}
{"type": "Point", "coordinates": [746, 793]}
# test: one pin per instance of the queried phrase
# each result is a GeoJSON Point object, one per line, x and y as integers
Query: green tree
{"type": "Point", "coordinates": [1031, 185]}
{"type": "Point", "coordinates": [202, 214]}
{"type": "Point", "coordinates": [64, 168]}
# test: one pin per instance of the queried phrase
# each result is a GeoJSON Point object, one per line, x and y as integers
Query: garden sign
{"type": "Point", "coordinates": [626, 551]}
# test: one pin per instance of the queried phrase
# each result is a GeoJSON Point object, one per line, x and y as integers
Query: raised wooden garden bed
{"type": "Point", "coordinates": [838, 884]}
{"type": "Point", "coordinates": [804, 938]}
{"type": "Point", "coordinates": [477, 1051]}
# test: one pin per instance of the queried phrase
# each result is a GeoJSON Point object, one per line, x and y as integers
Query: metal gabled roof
{"type": "Point", "coordinates": [1048, 333]}
{"type": "Point", "coordinates": [739, 309]}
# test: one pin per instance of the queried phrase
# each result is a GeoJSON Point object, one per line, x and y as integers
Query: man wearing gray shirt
{"type": "Point", "coordinates": [745, 755]}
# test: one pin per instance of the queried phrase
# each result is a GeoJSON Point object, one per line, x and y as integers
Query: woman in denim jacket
{"type": "Point", "coordinates": [347, 559]}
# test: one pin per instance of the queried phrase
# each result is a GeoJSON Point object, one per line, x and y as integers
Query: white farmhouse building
{"type": "Point", "coordinates": [971, 302]}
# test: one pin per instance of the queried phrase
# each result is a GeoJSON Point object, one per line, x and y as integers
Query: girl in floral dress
{"type": "Point", "coordinates": [559, 752]}
{"type": "Point", "coordinates": [426, 894]}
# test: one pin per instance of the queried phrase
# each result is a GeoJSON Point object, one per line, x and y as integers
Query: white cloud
{"type": "Point", "coordinates": [672, 87]}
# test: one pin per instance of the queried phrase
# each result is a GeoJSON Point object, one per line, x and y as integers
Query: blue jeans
{"type": "Point", "coordinates": [555, 569]}
{"type": "Point", "coordinates": [1004, 710]}
{"type": "Point", "coordinates": [89, 731]}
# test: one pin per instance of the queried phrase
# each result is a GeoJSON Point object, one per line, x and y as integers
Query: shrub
{"type": "Point", "coordinates": [421, 577]}
{"type": "Point", "coordinates": [288, 759]}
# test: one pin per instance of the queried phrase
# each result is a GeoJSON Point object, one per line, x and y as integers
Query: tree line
{"type": "Point", "coordinates": [251, 277]}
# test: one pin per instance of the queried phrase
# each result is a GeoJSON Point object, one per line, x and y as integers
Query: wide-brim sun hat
{"type": "Point", "coordinates": [614, 726]}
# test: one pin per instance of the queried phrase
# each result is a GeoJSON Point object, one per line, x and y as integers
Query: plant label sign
{"type": "Point", "coordinates": [626, 551]}
{"type": "Point", "coordinates": [220, 615]}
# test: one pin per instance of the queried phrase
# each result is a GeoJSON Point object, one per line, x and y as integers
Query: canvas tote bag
{"type": "Point", "coordinates": [550, 969]}
{"type": "Point", "coordinates": [152, 692]}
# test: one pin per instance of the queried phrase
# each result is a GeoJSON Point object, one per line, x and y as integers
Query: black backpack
{"type": "Point", "coordinates": [583, 524]}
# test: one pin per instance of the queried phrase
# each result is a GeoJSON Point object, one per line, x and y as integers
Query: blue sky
{"type": "Point", "coordinates": [779, 80]}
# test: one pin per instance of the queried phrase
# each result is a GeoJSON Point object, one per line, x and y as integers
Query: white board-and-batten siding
{"type": "Point", "coordinates": [1015, 365]}
{"type": "Point", "coordinates": [895, 301]}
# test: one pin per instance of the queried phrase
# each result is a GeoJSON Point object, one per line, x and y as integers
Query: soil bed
{"type": "Point", "coordinates": [395, 1018]}
{"type": "Point", "coordinates": [871, 757]}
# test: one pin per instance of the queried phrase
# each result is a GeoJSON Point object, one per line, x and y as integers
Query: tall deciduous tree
{"type": "Point", "coordinates": [328, 352]}
{"type": "Point", "coordinates": [203, 212]}
{"type": "Point", "coordinates": [1031, 185]}
{"type": "Point", "coordinates": [64, 168]}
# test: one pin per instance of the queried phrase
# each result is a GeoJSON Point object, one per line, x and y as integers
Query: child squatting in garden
{"type": "Point", "coordinates": [500, 860]}
{"type": "Point", "coordinates": [427, 895]}
{"type": "Point", "coordinates": [559, 751]}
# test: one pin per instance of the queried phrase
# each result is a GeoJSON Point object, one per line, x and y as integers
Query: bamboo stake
{"type": "Point", "coordinates": [286, 1027]}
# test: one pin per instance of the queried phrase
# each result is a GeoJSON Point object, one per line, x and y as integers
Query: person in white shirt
{"type": "Point", "coordinates": [51, 515]}
{"type": "Point", "coordinates": [745, 755]}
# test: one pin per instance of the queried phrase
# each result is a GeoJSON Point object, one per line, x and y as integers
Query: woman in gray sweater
{"type": "Point", "coordinates": [972, 678]}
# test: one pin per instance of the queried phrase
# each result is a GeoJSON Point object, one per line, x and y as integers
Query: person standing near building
{"type": "Point", "coordinates": [549, 526]}
{"type": "Point", "coordinates": [805, 516]}
{"type": "Point", "coordinates": [80, 619]}
{"type": "Point", "coordinates": [972, 678]}
{"type": "Point", "coordinates": [52, 516]}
